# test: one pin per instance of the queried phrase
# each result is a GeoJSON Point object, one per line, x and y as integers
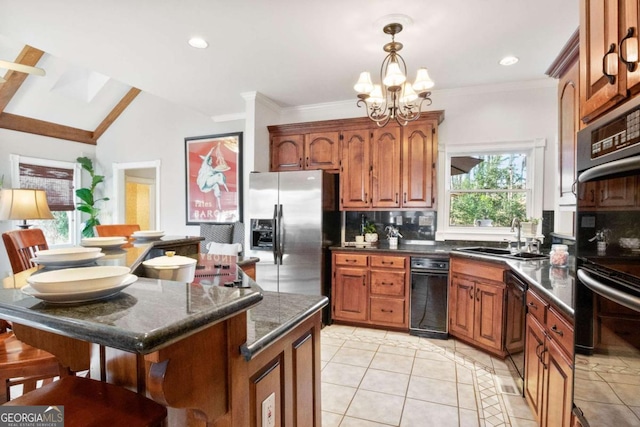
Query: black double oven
{"type": "Point", "coordinates": [607, 292]}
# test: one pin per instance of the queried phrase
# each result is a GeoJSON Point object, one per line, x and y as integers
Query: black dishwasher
{"type": "Point", "coordinates": [429, 285]}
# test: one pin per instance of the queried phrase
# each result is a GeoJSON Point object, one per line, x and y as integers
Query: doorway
{"type": "Point", "coordinates": [137, 194]}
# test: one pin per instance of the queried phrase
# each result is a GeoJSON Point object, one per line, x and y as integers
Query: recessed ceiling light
{"type": "Point", "coordinates": [508, 60]}
{"type": "Point", "coordinates": [198, 43]}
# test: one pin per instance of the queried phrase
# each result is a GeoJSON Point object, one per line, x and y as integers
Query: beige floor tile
{"type": "Point", "coordinates": [468, 418]}
{"type": "Point", "coordinates": [621, 378]}
{"type": "Point", "coordinates": [402, 336]}
{"type": "Point", "coordinates": [353, 356]}
{"type": "Point", "coordinates": [431, 355]}
{"type": "Point", "coordinates": [517, 407]}
{"type": "Point", "coordinates": [467, 396]}
{"type": "Point", "coordinates": [362, 345]}
{"type": "Point", "coordinates": [477, 356]}
{"type": "Point", "coordinates": [372, 333]}
{"type": "Point", "coordinates": [341, 374]}
{"type": "Point", "coordinates": [323, 363]}
{"type": "Point", "coordinates": [329, 419]}
{"type": "Point", "coordinates": [433, 390]}
{"type": "Point", "coordinates": [392, 349]}
{"type": "Point", "coordinates": [339, 329]}
{"type": "Point", "coordinates": [328, 351]}
{"type": "Point", "coordinates": [464, 374]}
{"type": "Point", "coordinates": [629, 394]}
{"type": "Point", "coordinates": [336, 398]}
{"type": "Point", "coordinates": [385, 382]}
{"type": "Point", "coordinates": [332, 341]}
{"type": "Point", "coordinates": [392, 362]}
{"type": "Point", "coordinates": [450, 343]}
{"type": "Point", "coordinates": [357, 422]}
{"type": "Point", "coordinates": [595, 391]}
{"type": "Point", "coordinates": [521, 422]}
{"type": "Point", "coordinates": [602, 414]}
{"type": "Point", "coordinates": [377, 407]}
{"type": "Point", "coordinates": [417, 412]}
{"type": "Point", "coordinates": [439, 369]}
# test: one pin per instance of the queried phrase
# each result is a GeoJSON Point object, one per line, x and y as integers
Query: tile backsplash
{"type": "Point", "coordinates": [413, 225]}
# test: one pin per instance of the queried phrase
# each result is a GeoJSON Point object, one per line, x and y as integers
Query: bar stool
{"type": "Point", "coordinates": [116, 230]}
{"type": "Point", "coordinates": [91, 403]}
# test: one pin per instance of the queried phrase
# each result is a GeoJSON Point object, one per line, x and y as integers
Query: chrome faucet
{"type": "Point", "coordinates": [516, 223]}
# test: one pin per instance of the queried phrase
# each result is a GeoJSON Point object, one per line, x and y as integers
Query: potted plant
{"type": "Point", "coordinates": [370, 232]}
{"type": "Point", "coordinates": [529, 227]}
{"type": "Point", "coordinates": [392, 234]}
{"type": "Point", "coordinates": [88, 198]}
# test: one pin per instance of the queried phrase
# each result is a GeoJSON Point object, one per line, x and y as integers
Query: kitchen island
{"type": "Point", "coordinates": [210, 353]}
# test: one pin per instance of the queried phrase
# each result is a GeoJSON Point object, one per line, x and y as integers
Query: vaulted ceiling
{"type": "Point", "coordinates": [295, 52]}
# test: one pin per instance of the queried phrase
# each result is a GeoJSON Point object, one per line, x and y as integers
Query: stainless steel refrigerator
{"type": "Point", "coordinates": [294, 219]}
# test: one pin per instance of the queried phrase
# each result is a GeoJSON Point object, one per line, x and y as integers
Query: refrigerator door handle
{"type": "Point", "coordinates": [274, 234]}
{"type": "Point", "coordinates": [281, 234]}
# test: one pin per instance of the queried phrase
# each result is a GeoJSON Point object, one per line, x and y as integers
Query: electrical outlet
{"type": "Point", "coordinates": [269, 411]}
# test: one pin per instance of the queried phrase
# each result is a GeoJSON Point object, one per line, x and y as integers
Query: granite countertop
{"type": "Point", "coordinates": [277, 314]}
{"type": "Point", "coordinates": [144, 317]}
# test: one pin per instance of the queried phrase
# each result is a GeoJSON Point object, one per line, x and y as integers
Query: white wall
{"type": "Point", "coordinates": [154, 129]}
{"type": "Point", "coordinates": [26, 144]}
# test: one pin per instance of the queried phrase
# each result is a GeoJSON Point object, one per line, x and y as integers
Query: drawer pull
{"type": "Point", "coordinates": [532, 305]}
{"type": "Point", "coordinates": [387, 262]}
{"type": "Point", "coordinates": [386, 311]}
{"type": "Point", "coordinates": [386, 283]}
{"type": "Point", "coordinates": [471, 293]}
{"type": "Point", "coordinates": [555, 329]}
{"type": "Point", "coordinates": [610, 77]}
{"type": "Point", "coordinates": [350, 260]}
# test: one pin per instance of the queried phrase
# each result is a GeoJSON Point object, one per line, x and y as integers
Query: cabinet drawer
{"type": "Point", "coordinates": [536, 306]}
{"type": "Point", "coordinates": [351, 259]}
{"type": "Point", "coordinates": [389, 311]}
{"type": "Point", "coordinates": [560, 330]}
{"type": "Point", "coordinates": [389, 283]}
{"type": "Point", "coordinates": [486, 270]}
{"type": "Point", "coordinates": [388, 261]}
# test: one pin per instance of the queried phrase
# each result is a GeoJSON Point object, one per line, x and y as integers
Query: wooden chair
{"type": "Point", "coordinates": [114, 230]}
{"type": "Point", "coordinates": [22, 245]}
{"type": "Point", "coordinates": [94, 403]}
{"type": "Point", "coordinates": [20, 363]}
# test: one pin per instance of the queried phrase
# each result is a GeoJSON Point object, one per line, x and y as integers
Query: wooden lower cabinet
{"type": "Point", "coordinates": [290, 370]}
{"type": "Point", "coordinates": [371, 290]}
{"type": "Point", "coordinates": [548, 382]}
{"type": "Point", "coordinates": [477, 303]}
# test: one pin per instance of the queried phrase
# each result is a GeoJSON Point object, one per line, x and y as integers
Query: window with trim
{"type": "Point", "coordinates": [487, 187]}
{"type": "Point", "coordinates": [58, 179]}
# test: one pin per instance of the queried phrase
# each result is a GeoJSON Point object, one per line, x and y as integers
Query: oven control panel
{"type": "Point", "coordinates": [618, 134]}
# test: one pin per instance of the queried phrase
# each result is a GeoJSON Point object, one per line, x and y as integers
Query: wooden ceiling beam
{"type": "Point", "coordinates": [14, 79]}
{"type": "Point", "coordinates": [40, 127]}
{"type": "Point", "coordinates": [115, 113]}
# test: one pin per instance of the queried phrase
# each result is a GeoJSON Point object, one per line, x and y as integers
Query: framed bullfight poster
{"type": "Point", "coordinates": [214, 178]}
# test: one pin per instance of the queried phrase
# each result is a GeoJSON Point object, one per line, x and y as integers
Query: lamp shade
{"type": "Point", "coordinates": [394, 75]}
{"type": "Point", "coordinates": [364, 84]}
{"type": "Point", "coordinates": [423, 81]}
{"type": "Point", "coordinates": [24, 204]}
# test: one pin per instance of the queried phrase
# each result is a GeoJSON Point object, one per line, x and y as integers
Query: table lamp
{"type": "Point", "coordinates": [24, 204]}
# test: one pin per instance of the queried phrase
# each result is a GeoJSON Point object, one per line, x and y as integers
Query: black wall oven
{"type": "Point", "coordinates": [607, 294]}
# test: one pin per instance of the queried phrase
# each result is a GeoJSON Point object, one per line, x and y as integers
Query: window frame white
{"type": "Point", "coordinates": [533, 149]}
{"type": "Point", "coordinates": [75, 226]}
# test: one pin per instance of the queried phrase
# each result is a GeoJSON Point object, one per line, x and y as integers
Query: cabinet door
{"type": "Point", "coordinates": [558, 399]}
{"type": "Point", "coordinates": [418, 165]}
{"type": "Point", "coordinates": [461, 306]}
{"type": "Point", "coordinates": [322, 150]}
{"type": "Point", "coordinates": [489, 307]}
{"type": "Point", "coordinates": [617, 192]}
{"type": "Point", "coordinates": [350, 294]}
{"type": "Point", "coordinates": [533, 367]}
{"type": "Point", "coordinates": [599, 36]}
{"type": "Point", "coordinates": [587, 194]}
{"type": "Point", "coordinates": [287, 153]}
{"type": "Point", "coordinates": [355, 178]}
{"type": "Point", "coordinates": [569, 122]}
{"type": "Point", "coordinates": [385, 170]}
{"type": "Point", "coordinates": [631, 19]}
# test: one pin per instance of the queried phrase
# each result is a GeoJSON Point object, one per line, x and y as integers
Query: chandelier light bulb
{"type": "Point", "coordinates": [423, 81]}
{"type": "Point", "coordinates": [394, 75]}
{"type": "Point", "coordinates": [408, 94]}
{"type": "Point", "coordinates": [364, 85]}
{"type": "Point", "coordinates": [375, 97]}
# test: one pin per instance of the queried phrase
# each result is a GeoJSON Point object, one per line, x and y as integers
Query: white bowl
{"type": "Point", "coordinates": [171, 267]}
{"type": "Point", "coordinates": [103, 241]}
{"type": "Point", "coordinates": [75, 253]}
{"type": "Point", "coordinates": [79, 279]}
{"type": "Point", "coordinates": [147, 234]}
{"type": "Point", "coordinates": [629, 243]}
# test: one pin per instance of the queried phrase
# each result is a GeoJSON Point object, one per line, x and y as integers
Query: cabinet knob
{"type": "Point", "coordinates": [532, 305]}
{"type": "Point", "coordinates": [555, 329]}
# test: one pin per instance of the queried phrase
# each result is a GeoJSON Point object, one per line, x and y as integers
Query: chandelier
{"type": "Point", "coordinates": [395, 98]}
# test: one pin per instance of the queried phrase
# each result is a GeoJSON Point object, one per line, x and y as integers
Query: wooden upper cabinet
{"type": "Point", "coordinates": [606, 30]}
{"type": "Point", "coordinates": [355, 182]}
{"type": "Point", "coordinates": [305, 151]}
{"type": "Point", "coordinates": [322, 150]}
{"type": "Point", "coordinates": [287, 153]}
{"type": "Point", "coordinates": [385, 169]}
{"type": "Point", "coordinates": [569, 122]}
{"type": "Point", "coordinates": [418, 165]}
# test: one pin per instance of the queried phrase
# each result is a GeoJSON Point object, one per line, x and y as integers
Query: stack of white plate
{"type": "Point", "coordinates": [67, 257]}
{"type": "Point", "coordinates": [147, 234]}
{"type": "Point", "coordinates": [103, 242]}
{"type": "Point", "coordinates": [72, 285]}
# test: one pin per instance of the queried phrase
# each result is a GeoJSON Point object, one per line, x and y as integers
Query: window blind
{"type": "Point", "coordinates": [57, 182]}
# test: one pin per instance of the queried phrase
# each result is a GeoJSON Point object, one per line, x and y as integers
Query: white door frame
{"type": "Point", "coordinates": [119, 187]}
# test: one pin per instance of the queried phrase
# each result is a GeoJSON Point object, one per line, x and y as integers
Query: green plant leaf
{"type": "Point", "coordinates": [97, 179]}
{"type": "Point", "coordinates": [85, 195]}
{"type": "Point", "coordinates": [86, 163]}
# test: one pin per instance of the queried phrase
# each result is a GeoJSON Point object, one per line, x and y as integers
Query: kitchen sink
{"type": "Point", "coordinates": [504, 253]}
